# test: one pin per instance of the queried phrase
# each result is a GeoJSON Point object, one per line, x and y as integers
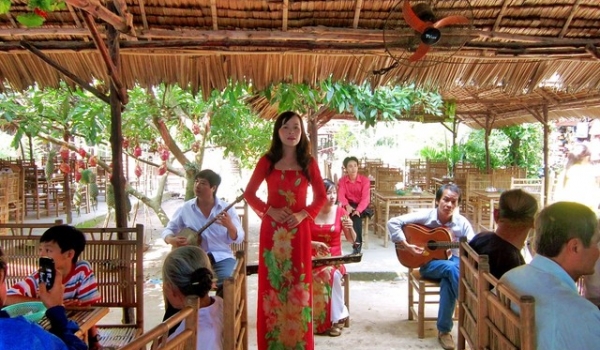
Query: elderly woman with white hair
{"type": "Point", "coordinates": [186, 271]}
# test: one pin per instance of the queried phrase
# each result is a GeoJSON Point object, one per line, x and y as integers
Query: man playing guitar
{"type": "Point", "coordinates": [216, 238]}
{"type": "Point", "coordinates": [447, 271]}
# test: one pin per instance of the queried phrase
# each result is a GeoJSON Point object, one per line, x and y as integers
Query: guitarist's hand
{"type": "Point", "coordinates": [279, 214]}
{"type": "Point", "coordinates": [413, 249]}
{"type": "Point", "coordinates": [177, 241]}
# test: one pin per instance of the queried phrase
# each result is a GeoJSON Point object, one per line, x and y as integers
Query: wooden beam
{"type": "Point", "coordinates": [116, 134]}
{"type": "Point", "coordinates": [314, 34]}
{"type": "Point", "coordinates": [143, 13]}
{"type": "Point", "coordinates": [74, 16]}
{"type": "Point", "coordinates": [546, 96]}
{"type": "Point", "coordinates": [591, 48]}
{"type": "Point", "coordinates": [96, 9]}
{"type": "Point", "coordinates": [500, 15]}
{"type": "Point", "coordinates": [567, 23]}
{"type": "Point", "coordinates": [284, 15]}
{"type": "Point", "coordinates": [65, 72]}
{"type": "Point", "coordinates": [535, 114]}
{"type": "Point", "coordinates": [357, 10]}
{"type": "Point", "coordinates": [113, 71]}
{"type": "Point", "coordinates": [214, 14]}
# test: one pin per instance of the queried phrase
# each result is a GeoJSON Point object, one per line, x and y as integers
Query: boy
{"type": "Point", "coordinates": [62, 331]}
{"type": "Point", "coordinates": [64, 244]}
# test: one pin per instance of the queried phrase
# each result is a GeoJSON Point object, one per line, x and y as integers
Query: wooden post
{"type": "Point", "coordinates": [313, 131]}
{"type": "Point", "coordinates": [546, 135]}
{"type": "Point", "coordinates": [116, 136]}
{"type": "Point", "coordinates": [488, 131]}
{"type": "Point", "coordinates": [66, 187]}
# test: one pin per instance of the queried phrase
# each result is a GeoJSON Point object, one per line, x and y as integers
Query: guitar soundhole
{"type": "Point", "coordinates": [432, 245]}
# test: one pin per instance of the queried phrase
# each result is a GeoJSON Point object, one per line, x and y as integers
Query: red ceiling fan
{"type": "Point", "coordinates": [415, 28]}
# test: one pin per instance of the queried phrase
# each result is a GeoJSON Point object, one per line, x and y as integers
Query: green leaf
{"type": "Point", "coordinates": [30, 20]}
{"type": "Point", "coordinates": [4, 6]}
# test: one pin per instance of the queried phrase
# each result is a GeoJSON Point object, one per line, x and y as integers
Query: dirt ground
{"type": "Point", "coordinates": [378, 309]}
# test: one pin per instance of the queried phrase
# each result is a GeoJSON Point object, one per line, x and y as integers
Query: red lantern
{"type": "Point", "coordinates": [65, 168]}
{"type": "Point", "coordinates": [137, 151]}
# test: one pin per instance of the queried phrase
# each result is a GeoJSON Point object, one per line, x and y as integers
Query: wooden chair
{"type": "Point", "coordinates": [428, 292]}
{"type": "Point", "coordinates": [475, 182]}
{"type": "Point", "coordinates": [437, 169]}
{"type": "Point", "coordinates": [535, 187]}
{"type": "Point", "coordinates": [387, 178]}
{"type": "Point", "coordinates": [158, 337]}
{"type": "Point", "coordinates": [235, 307]}
{"type": "Point", "coordinates": [116, 256]}
{"type": "Point", "coordinates": [502, 327]}
{"type": "Point", "coordinates": [36, 192]}
{"type": "Point", "coordinates": [470, 296]}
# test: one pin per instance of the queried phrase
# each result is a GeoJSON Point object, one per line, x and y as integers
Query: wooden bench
{"type": "Point", "coordinates": [470, 296]}
{"type": "Point", "coordinates": [158, 337]}
{"type": "Point", "coordinates": [235, 307]}
{"type": "Point", "coordinates": [116, 257]}
{"type": "Point", "coordinates": [502, 327]}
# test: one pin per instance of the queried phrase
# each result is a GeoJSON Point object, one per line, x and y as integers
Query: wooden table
{"type": "Point", "coordinates": [485, 204]}
{"type": "Point", "coordinates": [411, 201]}
{"type": "Point", "coordinates": [85, 316]}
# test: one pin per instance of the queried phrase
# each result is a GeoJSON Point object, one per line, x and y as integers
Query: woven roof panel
{"type": "Point", "coordinates": [517, 48]}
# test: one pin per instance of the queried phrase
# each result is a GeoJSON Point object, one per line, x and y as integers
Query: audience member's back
{"type": "Point", "coordinates": [566, 243]}
{"type": "Point", "coordinates": [514, 218]}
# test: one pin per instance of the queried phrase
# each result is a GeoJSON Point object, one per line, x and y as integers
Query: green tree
{"type": "Point", "coordinates": [165, 118]}
{"type": "Point", "coordinates": [517, 145]}
{"type": "Point", "coordinates": [368, 105]}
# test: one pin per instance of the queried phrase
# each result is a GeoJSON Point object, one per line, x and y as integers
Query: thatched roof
{"type": "Point", "coordinates": [523, 54]}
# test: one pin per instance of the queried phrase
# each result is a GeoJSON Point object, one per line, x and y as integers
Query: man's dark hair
{"type": "Point", "coordinates": [451, 187]}
{"type": "Point", "coordinates": [67, 237]}
{"type": "Point", "coordinates": [214, 179]}
{"type": "Point", "coordinates": [560, 222]}
{"type": "Point", "coordinates": [349, 159]}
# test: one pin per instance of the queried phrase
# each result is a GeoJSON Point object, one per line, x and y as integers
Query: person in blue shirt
{"type": "Point", "coordinates": [566, 244]}
{"type": "Point", "coordinates": [19, 333]}
{"type": "Point", "coordinates": [447, 199]}
{"type": "Point", "coordinates": [196, 212]}
{"type": "Point", "coordinates": [216, 239]}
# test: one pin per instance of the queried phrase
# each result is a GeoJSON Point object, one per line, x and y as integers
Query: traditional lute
{"type": "Point", "coordinates": [251, 269]}
{"type": "Point", "coordinates": [194, 237]}
{"type": "Point", "coordinates": [436, 243]}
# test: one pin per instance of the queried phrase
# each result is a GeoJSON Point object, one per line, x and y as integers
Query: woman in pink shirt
{"type": "Point", "coordinates": [354, 195]}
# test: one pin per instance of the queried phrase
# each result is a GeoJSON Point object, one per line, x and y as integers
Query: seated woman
{"type": "Point", "coordinates": [329, 311]}
{"type": "Point", "coordinates": [186, 271]}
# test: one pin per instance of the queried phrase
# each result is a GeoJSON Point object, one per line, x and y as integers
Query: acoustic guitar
{"type": "Point", "coordinates": [252, 269]}
{"type": "Point", "coordinates": [436, 244]}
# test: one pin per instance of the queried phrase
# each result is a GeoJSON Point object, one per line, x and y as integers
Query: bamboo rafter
{"type": "Point", "coordinates": [96, 9]}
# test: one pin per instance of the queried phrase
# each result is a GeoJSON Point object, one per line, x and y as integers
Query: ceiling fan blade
{"type": "Point", "coordinates": [412, 19]}
{"type": "Point", "coordinates": [451, 20]}
{"type": "Point", "coordinates": [420, 53]}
